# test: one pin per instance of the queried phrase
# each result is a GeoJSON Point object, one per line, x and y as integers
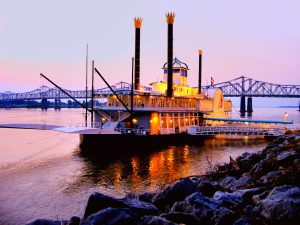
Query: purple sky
{"type": "Point", "coordinates": [258, 39]}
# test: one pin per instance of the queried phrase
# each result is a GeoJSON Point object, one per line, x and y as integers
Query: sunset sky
{"type": "Point", "coordinates": [257, 39]}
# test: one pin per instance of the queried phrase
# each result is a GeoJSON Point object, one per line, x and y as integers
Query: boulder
{"type": "Point", "coordinates": [74, 220]}
{"type": "Point", "coordinates": [142, 208]}
{"type": "Point", "coordinates": [227, 182]}
{"type": "Point", "coordinates": [273, 177]}
{"type": "Point", "coordinates": [154, 220]}
{"type": "Point", "coordinates": [173, 193]}
{"type": "Point", "coordinates": [223, 216]}
{"type": "Point", "coordinates": [196, 204]}
{"type": "Point", "coordinates": [242, 221]}
{"type": "Point", "coordinates": [180, 218]}
{"type": "Point", "coordinates": [207, 188]}
{"type": "Point", "coordinates": [98, 201]}
{"type": "Point", "coordinates": [263, 167]}
{"type": "Point", "coordinates": [147, 197]}
{"type": "Point", "coordinates": [287, 156]}
{"type": "Point", "coordinates": [243, 182]}
{"type": "Point", "coordinates": [228, 199]}
{"type": "Point", "coordinates": [281, 205]}
{"type": "Point", "coordinates": [247, 160]}
{"type": "Point", "coordinates": [183, 207]}
{"type": "Point", "coordinates": [48, 222]}
{"type": "Point", "coordinates": [247, 194]}
{"type": "Point", "coordinates": [112, 216]}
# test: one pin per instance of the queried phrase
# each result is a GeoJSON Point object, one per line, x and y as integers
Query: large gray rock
{"type": "Point", "coordinates": [154, 220]}
{"type": "Point", "coordinates": [247, 160]}
{"type": "Point", "coordinates": [223, 216]}
{"type": "Point", "coordinates": [74, 220]}
{"type": "Point", "coordinates": [174, 193]}
{"type": "Point", "coordinates": [180, 218]}
{"type": "Point", "coordinates": [242, 221]}
{"type": "Point", "coordinates": [98, 201]}
{"type": "Point", "coordinates": [112, 216]}
{"type": "Point", "coordinates": [243, 182]}
{"type": "Point", "coordinates": [238, 197]}
{"type": "Point", "coordinates": [227, 182]}
{"type": "Point", "coordinates": [142, 208]}
{"type": "Point", "coordinates": [263, 167]}
{"type": "Point", "coordinates": [147, 196]}
{"type": "Point", "coordinates": [49, 222]}
{"type": "Point", "coordinates": [228, 199]}
{"type": "Point", "coordinates": [208, 188]}
{"type": "Point", "coordinates": [287, 156]}
{"type": "Point", "coordinates": [281, 205]}
{"type": "Point", "coordinates": [196, 204]}
{"type": "Point", "coordinates": [271, 177]}
{"type": "Point", "coordinates": [232, 184]}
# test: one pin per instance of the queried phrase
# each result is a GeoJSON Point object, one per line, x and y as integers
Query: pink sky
{"type": "Point", "coordinates": [258, 39]}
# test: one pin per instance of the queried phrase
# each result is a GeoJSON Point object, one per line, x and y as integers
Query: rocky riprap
{"type": "Point", "coordinates": [256, 188]}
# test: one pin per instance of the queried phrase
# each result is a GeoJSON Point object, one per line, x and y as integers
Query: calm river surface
{"type": "Point", "coordinates": [42, 174]}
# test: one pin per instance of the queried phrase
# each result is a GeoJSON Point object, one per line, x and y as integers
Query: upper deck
{"type": "Point", "coordinates": [146, 101]}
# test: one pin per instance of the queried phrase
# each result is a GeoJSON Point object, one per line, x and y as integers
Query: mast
{"type": "Point", "coordinates": [86, 85]}
{"type": "Point", "coordinates": [92, 116]}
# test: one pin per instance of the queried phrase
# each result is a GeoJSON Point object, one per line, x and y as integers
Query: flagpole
{"type": "Point", "coordinates": [86, 84]}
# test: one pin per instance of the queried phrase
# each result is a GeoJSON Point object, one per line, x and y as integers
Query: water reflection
{"type": "Point", "coordinates": [151, 171]}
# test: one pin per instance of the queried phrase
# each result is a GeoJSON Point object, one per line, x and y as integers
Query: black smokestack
{"type": "Point", "coordinates": [170, 20]}
{"type": "Point", "coordinates": [137, 24]}
{"type": "Point", "coordinates": [200, 71]}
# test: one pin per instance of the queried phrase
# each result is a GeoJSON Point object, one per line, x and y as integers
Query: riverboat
{"type": "Point", "coordinates": [160, 114]}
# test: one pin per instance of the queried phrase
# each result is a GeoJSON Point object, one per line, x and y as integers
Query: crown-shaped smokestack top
{"type": "Point", "coordinates": [170, 17]}
{"type": "Point", "coordinates": [138, 22]}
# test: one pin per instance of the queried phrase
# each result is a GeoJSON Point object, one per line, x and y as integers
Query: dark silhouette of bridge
{"type": "Point", "coordinates": [239, 87]}
{"type": "Point", "coordinates": [247, 87]}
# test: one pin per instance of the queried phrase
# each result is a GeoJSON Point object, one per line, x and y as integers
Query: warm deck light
{"type": "Point", "coordinates": [103, 119]}
{"type": "Point", "coordinates": [150, 121]}
{"type": "Point", "coordinates": [285, 116]}
{"type": "Point", "coordinates": [155, 119]}
{"type": "Point", "coordinates": [171, 121]}
{"type": "Point", "coordinates": [186, 119]}
{"type": "Point", "coordinates": [134, 120]}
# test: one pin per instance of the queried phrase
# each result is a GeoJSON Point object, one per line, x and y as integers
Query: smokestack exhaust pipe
{"type": "Point", "coordinates": [170, 20]}
{"type": "Point", "coordinates": [200, 71]}
{"type": "Point", "coordinates": [137, 25]}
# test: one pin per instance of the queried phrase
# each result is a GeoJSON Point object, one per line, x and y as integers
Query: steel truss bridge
{"type": "Point", "coordinates": [238, 87]}
{"type": "Point", "coordinates": [45, 92]}
{"type": "Point", "coordinates": [244, 86]}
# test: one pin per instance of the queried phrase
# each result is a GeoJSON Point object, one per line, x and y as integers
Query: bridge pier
{"type": "Point", "coordinates": [249, 106]}
{"type": "Point", "coordinates": [243, 106]}
{"type": "Point", "coordinates": [44, 104]}
{"type": "Point", "coordinates": [57, 104]}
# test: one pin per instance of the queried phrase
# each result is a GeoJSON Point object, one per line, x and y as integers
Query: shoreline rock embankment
{"type": "Point", "coordinates": [255, 188]}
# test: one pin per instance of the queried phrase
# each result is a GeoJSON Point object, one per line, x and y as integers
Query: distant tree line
{"type": "Point", "coordinates": [38, 104]}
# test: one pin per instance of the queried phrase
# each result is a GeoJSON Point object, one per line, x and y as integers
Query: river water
{"type": "Point", "coordinates": [42, 174]}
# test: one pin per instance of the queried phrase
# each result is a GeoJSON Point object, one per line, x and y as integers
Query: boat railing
{"type": "Point", "coordinates": [135, 131]}
{"type": "Point", "coordinates": [243, 130]}
{"type": "Point", "coordinates": [150, 108]}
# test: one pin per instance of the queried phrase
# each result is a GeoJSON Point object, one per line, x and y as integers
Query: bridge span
{"type": "Point", "coordinates": [239, 87]}
{"type": "Point", "coordinates": [247, 87]}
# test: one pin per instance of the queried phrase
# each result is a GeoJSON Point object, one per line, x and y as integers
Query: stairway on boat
{"type": "Point", "coordinates": [110, 125]}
